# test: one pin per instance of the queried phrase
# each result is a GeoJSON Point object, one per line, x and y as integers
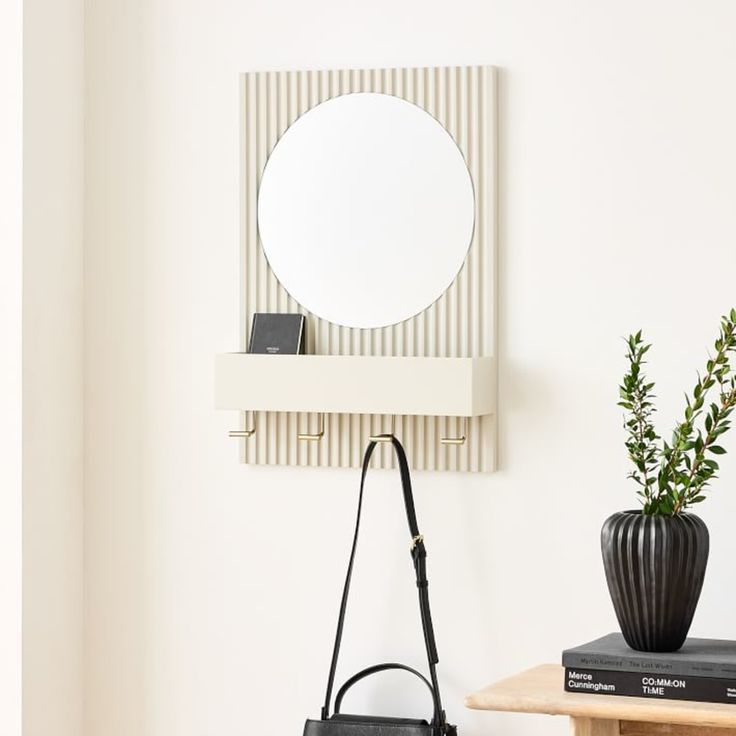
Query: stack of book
{"type": "Point", "coordinates": [703, 670]}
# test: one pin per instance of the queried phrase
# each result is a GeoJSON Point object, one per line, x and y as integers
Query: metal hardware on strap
{"type": "Point", "coordinates": [415, 541]}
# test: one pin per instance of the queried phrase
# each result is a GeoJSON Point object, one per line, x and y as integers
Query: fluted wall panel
{"type": "Point", "coordinates": [460, 324]}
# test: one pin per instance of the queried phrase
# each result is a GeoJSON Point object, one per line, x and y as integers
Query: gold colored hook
{"type": "Point", "coordinates": [244, 432]}
{"type": "Point", "coordinates": [385, 437]}
{"type": "Point", "coordinates": [314, 437]}
{"type": "Point", "coordinates": [458, 440]}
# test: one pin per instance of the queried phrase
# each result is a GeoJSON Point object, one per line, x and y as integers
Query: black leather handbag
{"type": "Point", "coordinates": [341, 724]}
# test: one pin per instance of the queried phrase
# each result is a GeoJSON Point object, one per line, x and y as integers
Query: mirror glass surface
{"type": "Point", "coordinates": [366, 210]}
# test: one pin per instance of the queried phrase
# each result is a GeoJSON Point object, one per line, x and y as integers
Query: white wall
{"type": "Point", "coordinates": [11, 364]}
{"type": "Point", "coordinates": [211, 587]}
{"type": "Point", "coordinates": [53, 155]}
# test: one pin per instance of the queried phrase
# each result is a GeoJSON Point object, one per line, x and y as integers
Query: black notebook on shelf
{"type": "Point", "coordinates": [277, 334]}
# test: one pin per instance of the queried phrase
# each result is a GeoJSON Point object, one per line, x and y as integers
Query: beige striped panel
{"type": "Point", "coordinates": [460, 324]}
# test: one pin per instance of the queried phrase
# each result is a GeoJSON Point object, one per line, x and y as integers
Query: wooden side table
{"type": "Point", "coordinates": [540, 690]}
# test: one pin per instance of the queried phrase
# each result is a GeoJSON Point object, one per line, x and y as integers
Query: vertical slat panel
{"type": "Point", "coordinates": [460, 323]}
{"type": "Point", "coordinates": [245, 213]}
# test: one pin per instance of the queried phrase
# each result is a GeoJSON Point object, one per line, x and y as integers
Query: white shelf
{"type": "Point", "coordinates": [342, 384]}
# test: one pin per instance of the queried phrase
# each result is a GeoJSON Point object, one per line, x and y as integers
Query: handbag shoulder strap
{"type": "Point", "coordinates": [419, 555]}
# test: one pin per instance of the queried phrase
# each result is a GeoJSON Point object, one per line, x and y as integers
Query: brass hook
{"type": "Point", "coordinates": [385, 437]}
{"type": "Point", "coordinates": [314, 437]}
{"type": "Point", "coordinates": [458, 440]}
{"type": "Point", "coordinates": [244, 432]}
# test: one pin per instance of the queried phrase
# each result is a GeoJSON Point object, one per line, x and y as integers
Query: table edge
{"type": "Point", "coordinates": [605, 707]}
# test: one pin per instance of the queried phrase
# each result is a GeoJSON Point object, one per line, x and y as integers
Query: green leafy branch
{"type": "Point", "coordinates": [637, 398]}
{"type": "Point", "coordinates": [673, 478]}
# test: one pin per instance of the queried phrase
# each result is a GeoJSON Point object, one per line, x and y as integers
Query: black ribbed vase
{"type": "Point", "coordinates": [655, 566]}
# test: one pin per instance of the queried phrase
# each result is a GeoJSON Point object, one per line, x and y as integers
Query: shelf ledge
{"type": "Point", "coordinates": [356, 384]}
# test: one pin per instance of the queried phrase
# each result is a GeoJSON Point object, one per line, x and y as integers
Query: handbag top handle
{"type": "Point", "coordinates": [419, 555]}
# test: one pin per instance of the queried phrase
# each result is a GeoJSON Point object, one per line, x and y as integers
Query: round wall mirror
{"type": "Point", "coordinates": [366, 210]}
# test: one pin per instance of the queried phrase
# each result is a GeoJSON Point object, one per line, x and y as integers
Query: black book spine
{"type": "Point", "coordinates": [676, 666]}
{"type": "Point", "coordinates": [650, 685]}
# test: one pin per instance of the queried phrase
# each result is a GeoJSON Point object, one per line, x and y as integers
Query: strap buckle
{"type": "Point", "coordinates": [415, 541]}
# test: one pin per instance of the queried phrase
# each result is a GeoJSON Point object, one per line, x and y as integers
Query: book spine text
{"type": "Point", "coordinates": [650, 685]}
